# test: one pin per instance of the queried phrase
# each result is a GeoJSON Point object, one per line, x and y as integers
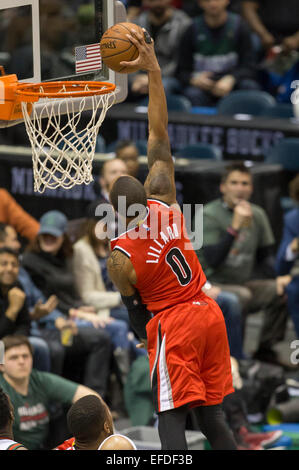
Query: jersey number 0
{"type": "Point", "coordinates": [176, 260]}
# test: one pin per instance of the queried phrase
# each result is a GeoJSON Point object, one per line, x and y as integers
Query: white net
{"type": "Point", "coordinates": [63, 143]}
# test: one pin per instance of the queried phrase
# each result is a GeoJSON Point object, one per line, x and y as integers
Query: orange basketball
{"type": "Point", "coordinates": [116, 47]}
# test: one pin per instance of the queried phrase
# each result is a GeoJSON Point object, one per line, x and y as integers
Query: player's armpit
{"type": "Point", "coordinates": [121, 272]}
{"type": "Point", "coordinates": [160, 182]}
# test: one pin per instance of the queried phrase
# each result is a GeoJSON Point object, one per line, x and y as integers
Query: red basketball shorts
{"type": "Point", "coordinates": [189, 355]}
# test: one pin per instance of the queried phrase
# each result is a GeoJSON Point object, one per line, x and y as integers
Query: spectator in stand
{"type": "Point", "coordinates": [31, 393]}
{"type": "Point", "coordinates": [133, 9]}
{"type": "Point", "coordinates": [232, 312]}
{"type": "Point", "coordinates": [14, 314]}
{"type": "Point", "coordinates": [91, 252]}
{"type": "Point", "coordinates": [110, 170]}
{"type": "Point", "coordinates": [287, 260]}
{"type": "Point", "coordinates": [50, 265]}
{"type": "Point", "coordinates": [127, 151]}
{"type": "Point", "coordinates": [216, 55]}
{"type": "Point", "coordinates": [12, 213]}
{"type": "Point", "coordinates": [90, 273]}
{"type": "Point", "coordinates": [238, 235]}
{"type": "Point", "coordinates": [166, 26]}
{"type": "Point", "coordinates": [274, 21]}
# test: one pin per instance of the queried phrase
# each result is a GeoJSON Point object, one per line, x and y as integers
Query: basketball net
{"type": "Point", "coordinates": [63, 149]}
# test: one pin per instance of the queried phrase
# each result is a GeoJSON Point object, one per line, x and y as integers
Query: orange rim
{"type": "Point", "coordinates": [32, 92]}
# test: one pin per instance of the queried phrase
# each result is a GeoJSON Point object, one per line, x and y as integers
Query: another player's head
{"type": "Point", "coordinates": [236, 184]}
{"type": "Point", "coordinates": [90, 422]}
{"type": "Point", "coordinates": [117, 442]}
{"type": "Point", "coordinates": [6, 415]}
{"type": "Point", "coordinates": [110, 171]}
{"type": "Point", "coordinates": [127, 151]}
{"type": "Point", "coordinates": [128, 198]}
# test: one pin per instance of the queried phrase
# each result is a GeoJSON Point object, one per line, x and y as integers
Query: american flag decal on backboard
{"type": "Point", "coordinates": [88, 58]}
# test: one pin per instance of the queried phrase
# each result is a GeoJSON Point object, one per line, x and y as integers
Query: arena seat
{"type": "Point", "coordinates": [253, 102]}
{"type": "Point", "coordinates": [174, 103]}
{"type": "Point", "coordinates": [200, 151]}
{"type": "Point", "coordinates": [279, 111]}
{"type": "Point", "coordinates": [285, 153]}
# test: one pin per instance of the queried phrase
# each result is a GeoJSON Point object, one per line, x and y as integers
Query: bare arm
{"type": "Point", "coordinates": [250, 13]}
{"type": "Point", "coordinates": [160, 182]}
{"type": "Point", "coordinates": [122, 273]}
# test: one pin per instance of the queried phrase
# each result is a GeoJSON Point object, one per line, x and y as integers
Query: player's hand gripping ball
{"type": "Point", "coordinates": [116, 47]}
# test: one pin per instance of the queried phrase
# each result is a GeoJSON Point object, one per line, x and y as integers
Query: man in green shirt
{"type": "Point", "coordinates": [238, 239]}
{"type": "Point", "coordinates": [32, 392]}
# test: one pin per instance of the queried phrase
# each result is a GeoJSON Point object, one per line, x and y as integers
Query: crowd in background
{"type": "Point", "coordinates": [208, 48]}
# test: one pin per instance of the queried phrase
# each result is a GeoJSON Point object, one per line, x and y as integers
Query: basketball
{"type": "Point", "coordinates": [116, 47]}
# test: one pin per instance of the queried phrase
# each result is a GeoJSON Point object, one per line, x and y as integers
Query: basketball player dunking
{"type": "Point", "coordinates": [156, 270]}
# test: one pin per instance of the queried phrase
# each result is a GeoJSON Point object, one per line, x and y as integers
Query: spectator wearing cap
{"type": "Point", "coordinates": [50, 263]}
{"type": "Point", "coordinates": [48, 260]}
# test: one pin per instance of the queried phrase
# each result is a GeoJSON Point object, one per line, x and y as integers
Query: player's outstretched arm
{"type": "Point", "coordinates": [160, 182]}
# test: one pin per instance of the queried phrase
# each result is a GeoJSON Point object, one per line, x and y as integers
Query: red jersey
{"type": "Point", "coordinates": [167, 269]}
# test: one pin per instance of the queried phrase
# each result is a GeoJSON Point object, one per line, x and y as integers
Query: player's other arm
{"type": "Point", "coordinates": [160, 182]}
{"type": "Point", "coordinates": [123, 276]}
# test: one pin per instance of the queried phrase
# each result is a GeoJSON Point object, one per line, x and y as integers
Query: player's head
{"type": "Point", "coordinates": [117, 442]}
{"type": "Point", "coordinates": [6, 412]}
{"type": "Point", "coordinates": [110, 171]}
{"type": "Point", "coordinates": [213, 8]}
{"type": "Point", "coordinates": [128, 198]}
{"type": "Point", "coordinates": [90, 421]}
{"type": "Point", "coordinates": [236, 184]}
{"type": "Point", "coordinates": [18, 356]}
{"type": "Point", "coordinates": [9, 237]}
{"type": "Point", "coordinates": [9, 266]}
{"type": "Point", "coordinates": [127, 151]}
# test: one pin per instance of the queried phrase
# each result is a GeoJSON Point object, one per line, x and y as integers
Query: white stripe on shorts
{"type": "Point", "coordinates": [166, 401]}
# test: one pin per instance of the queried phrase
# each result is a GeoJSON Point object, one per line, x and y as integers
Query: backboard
{"type": "Point", "coordinates": [47, 40]}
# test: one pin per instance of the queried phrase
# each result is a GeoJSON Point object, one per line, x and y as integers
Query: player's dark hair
{"type": "Point", "coordinates": [9, 251]}
{"type": "Point", "coordinates": [86, 418]}
{"type": "Point", "coordinates": [237, 166]}
{"type": "Point", "coordinates": [3, 231]}
{"type": "Point", "coordinates": [133, 191]}
{"type": "Point", "coordinates": [5, 411]}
